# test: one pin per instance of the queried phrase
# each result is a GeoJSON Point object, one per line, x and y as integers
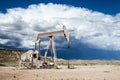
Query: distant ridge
{"type": "Point", "coordinates": [9, 55]}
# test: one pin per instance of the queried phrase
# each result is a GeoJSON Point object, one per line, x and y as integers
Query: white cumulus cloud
{"type": "Point", "coordinates": [19, 27]}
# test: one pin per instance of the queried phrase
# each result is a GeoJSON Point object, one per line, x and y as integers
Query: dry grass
{"type": "Point", "coordinates": [88, 62]}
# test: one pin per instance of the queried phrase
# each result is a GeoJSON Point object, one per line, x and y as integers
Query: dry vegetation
{"type": "Point", "coordinates": [9, 57]}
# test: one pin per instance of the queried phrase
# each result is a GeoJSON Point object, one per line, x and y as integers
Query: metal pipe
{"type": "Point", "coordinates": [47, 49]}
{"type": "Point", "coordinates": [53, 53]}
{"type": "Point", "coordinates": [35, 46]}
{"type": "Point", "coordinates": [39, 47]}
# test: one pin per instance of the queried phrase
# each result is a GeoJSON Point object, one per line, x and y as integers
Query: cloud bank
{"type": "Point", "coordinates": [19, 27]}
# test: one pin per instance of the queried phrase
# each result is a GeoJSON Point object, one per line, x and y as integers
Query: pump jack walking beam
{"type": "Point", "coordinates": [54, 33]}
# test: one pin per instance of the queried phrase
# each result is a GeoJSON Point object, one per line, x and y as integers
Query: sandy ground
{"type": "Point", "coordinates": [97, 72]}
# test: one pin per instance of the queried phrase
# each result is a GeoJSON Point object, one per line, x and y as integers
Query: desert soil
{"type": "Point", "coordinates": [96, 72]}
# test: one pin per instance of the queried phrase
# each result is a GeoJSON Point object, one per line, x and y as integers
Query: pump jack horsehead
{"type": "Point", "coordinates": [32, 59]}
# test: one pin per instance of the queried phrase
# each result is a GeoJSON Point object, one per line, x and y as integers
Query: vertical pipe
{"type": "Point", "coordinates": [39, 47]}
{"type": "Point", "coordinates": [53, 49]}
{"type": "Point", "coordinates": [35, 46]}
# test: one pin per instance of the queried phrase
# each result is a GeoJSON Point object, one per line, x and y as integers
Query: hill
{"type": "Point", "coordinates": [9, 57]}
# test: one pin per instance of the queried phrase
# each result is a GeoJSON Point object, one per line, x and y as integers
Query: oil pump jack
{"type": "Point", "coordinates": [51, 41]}
{"type": "Point", "coordinates": [35, 56]}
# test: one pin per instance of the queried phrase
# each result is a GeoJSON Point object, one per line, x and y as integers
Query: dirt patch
{"type": "Point", "coordinates": [97, 72]}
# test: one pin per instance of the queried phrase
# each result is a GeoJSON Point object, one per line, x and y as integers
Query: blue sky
{"type": "Point", "coordinates": [105, 6]}
{"type": "Point", "coordinates": [93, 25]}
